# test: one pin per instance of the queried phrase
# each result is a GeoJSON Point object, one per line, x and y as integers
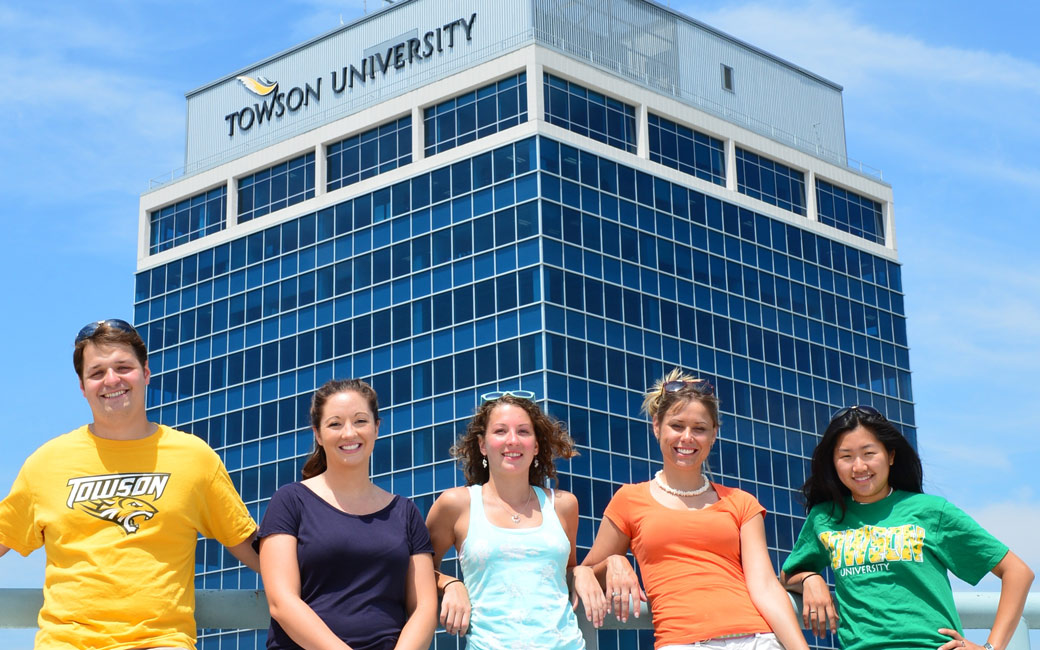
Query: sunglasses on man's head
{"type": "Point", "coordinates": [699, 386]}
{"type": "Point", "coordinates": [496, 394]}
{"type": "Point", "coordinates": [861, 408]}
{"type": "Point", "coordinates": [115, 323]}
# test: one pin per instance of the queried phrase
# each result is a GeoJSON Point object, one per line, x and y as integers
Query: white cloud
{"type": "Point", "coordinates": [973, 298]}
{"type": "Point", "coordinates": [73, 26]}
{"type": "Point", "coordinates": [985, 458]}
{"type": "Point", "coordinates": [931, 102]}
{"type": "Point", "coordinates": [83, 133]}
{"type": "Point", "coordinates": [1017, 524]}
{"type": "Point", "coordinates": [834, 42]}
{"type": "Point", "coordinates": [942, 145]}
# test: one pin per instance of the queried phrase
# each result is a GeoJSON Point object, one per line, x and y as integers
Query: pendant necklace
{"type": "Point", "coordinates": [680, 493]}
{"type": "Point", "coordinates": [515, 516]}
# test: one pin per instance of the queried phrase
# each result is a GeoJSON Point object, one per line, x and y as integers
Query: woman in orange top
{"type": "Point", "coordinates": [701, 546]}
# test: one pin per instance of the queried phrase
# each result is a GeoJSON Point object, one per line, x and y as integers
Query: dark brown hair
{"type": "Point", "coordinates": [657, 402]}
{"type": "Point", "coordinates": [106, 334]}
{"type": "Point", "coordinates": [317, 463]}
{"type": "Point", "coordinates": [550, 434]}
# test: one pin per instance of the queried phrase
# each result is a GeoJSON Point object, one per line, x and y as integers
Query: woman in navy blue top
{"type": "Point", "coordinates": [346, 564]}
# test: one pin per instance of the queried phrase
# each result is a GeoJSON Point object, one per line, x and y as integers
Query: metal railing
{"type": "Point", "coordinates": [247, 609]}
{"type": "Point", "coordinates": [975, 609]}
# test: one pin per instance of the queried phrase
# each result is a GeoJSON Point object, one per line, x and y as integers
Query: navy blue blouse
{"type": "Point", "coordinates": [353, 568]}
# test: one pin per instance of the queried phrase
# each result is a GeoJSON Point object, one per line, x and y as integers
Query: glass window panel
{"type": "Point", "coordinates": [585, 112]}
{"type": "Point", "coordinates": [689, 151]}
{"type": "Point", "coordinates": [459, 120]}
{"type": "Point", "coordinates": [174, 225]}
{"type": "Point", "coordinates": [371, 152]}
{"type": "Point", "coordinates": [849, 212]}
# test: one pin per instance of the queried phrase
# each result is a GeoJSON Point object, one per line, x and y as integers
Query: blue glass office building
{"type": "Point", "coordinates": [452, 196]}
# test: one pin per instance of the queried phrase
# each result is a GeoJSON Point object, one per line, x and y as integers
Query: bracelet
{"type": "Point", "coordinates": [445, 587]}
{"type": "Point", "coordinates": [807, 576]}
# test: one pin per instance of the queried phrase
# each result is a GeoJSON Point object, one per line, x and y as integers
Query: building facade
{"type": "Point", "coordinates": [448, 197]}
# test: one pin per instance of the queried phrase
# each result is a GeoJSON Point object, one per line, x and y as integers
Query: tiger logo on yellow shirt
{"type": "Point", "coordinates": [118, 498]}
{"type": "Point", "coordinates": [122, 511]}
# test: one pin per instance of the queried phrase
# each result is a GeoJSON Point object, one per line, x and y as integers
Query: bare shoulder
{"type": "Point", "coordinates": [565, 501]}
{"type": "Point", "coordinates": [452, 501]}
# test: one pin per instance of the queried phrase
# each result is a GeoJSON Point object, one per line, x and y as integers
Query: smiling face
{"type": "Point", "coordinates": [686, 434]}
{"type": "Point", "coordinates": [862, 464]}
{"type": "Point", "coordinates": [114, 382]}
{"type": "Point", "coordinates": [347, 430]}
{"type": "Point", "coordinates": [509, 442]}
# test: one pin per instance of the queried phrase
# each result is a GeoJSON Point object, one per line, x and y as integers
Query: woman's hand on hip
{"type": "Point", "coordinates": [956, 641]}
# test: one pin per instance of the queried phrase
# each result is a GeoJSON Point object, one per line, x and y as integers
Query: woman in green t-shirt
{"type": "Point", "coordinates": [890, 547]}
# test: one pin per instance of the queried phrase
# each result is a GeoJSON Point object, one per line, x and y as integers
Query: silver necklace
{"type": "Point", "coordinates": [680, 493]}
{"type": "Point", "coordinates": [890, 490]}
{"type": "Point", "coordinates": [516, 514]}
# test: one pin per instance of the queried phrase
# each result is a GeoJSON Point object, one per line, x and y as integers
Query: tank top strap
{"type": "Point", "coordinates": [547, 504]}
{"type": "Point", "coordinates": [477, 518]}
{"type": "Point", "coordinates": [545, 498]}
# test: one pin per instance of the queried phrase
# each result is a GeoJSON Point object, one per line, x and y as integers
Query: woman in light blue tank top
{"type": "Point", "coordinates": [515, 540]}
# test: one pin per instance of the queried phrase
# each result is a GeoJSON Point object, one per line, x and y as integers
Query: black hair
{"type": "Point", "coordinates": [823, 484]}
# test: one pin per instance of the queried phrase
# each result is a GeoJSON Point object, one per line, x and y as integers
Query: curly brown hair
{"type": "Point", "coordinates": [553, 442]}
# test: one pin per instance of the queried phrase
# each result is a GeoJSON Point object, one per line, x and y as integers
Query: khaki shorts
{"type": "Point", "coordinates": [765, 641]}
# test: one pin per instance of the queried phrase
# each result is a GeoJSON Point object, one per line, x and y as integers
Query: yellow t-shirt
{"type": "Point", "coordinates": [119, 522]}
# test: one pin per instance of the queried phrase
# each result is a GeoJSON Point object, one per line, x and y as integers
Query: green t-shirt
{"type": "Point", "coordinates": [890, 562]}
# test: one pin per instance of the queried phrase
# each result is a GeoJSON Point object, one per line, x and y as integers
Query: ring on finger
{"type": "Point", "coordinates": [615, 594]}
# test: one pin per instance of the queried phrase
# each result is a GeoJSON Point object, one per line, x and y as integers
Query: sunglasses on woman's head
{"type": "Point", "coordinates": [496, 394]}
{"type": "Point", "coordinates": [862, 408]}
{"type": "Point", "coordinates": [699, 386]}
{"type": "Point", "coordinates": [115, 323]}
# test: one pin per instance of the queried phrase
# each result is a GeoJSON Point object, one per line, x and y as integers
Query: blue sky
{"type": "Point", "coordinates": [941, 96]}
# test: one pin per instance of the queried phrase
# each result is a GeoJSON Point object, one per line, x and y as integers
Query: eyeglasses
{"type": "Point", "coordinates": [862, 408]}
{"type": "Point", "coordinates": [115, 323]}
{"type": "Point", "coordinates": [699, 386]}
{"type": "Point", "coordinates": [496, 394]}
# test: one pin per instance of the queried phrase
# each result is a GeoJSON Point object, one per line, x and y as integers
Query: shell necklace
{"type": "Point", "coordinates": [680, 493]}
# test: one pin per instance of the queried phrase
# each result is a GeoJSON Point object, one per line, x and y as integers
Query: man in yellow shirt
{"type": "Point", "coordinates": [117, 505]}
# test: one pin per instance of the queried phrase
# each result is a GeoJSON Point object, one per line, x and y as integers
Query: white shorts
{"type": "Point", "coordinates": [766, 641]}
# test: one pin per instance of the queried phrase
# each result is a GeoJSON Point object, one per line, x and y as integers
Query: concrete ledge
{"type": "Point", "coordinates": [247, 609]}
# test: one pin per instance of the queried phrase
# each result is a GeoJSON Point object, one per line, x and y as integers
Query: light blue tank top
{"type": "Point", "coordinates": [517, 582]}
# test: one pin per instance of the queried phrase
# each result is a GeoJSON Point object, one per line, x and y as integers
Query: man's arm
{"type": "Point", "coordinates": [243, 552]}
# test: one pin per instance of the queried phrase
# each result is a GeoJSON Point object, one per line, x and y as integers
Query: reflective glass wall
{"type": "Point", "coordinates": [537, 266]}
